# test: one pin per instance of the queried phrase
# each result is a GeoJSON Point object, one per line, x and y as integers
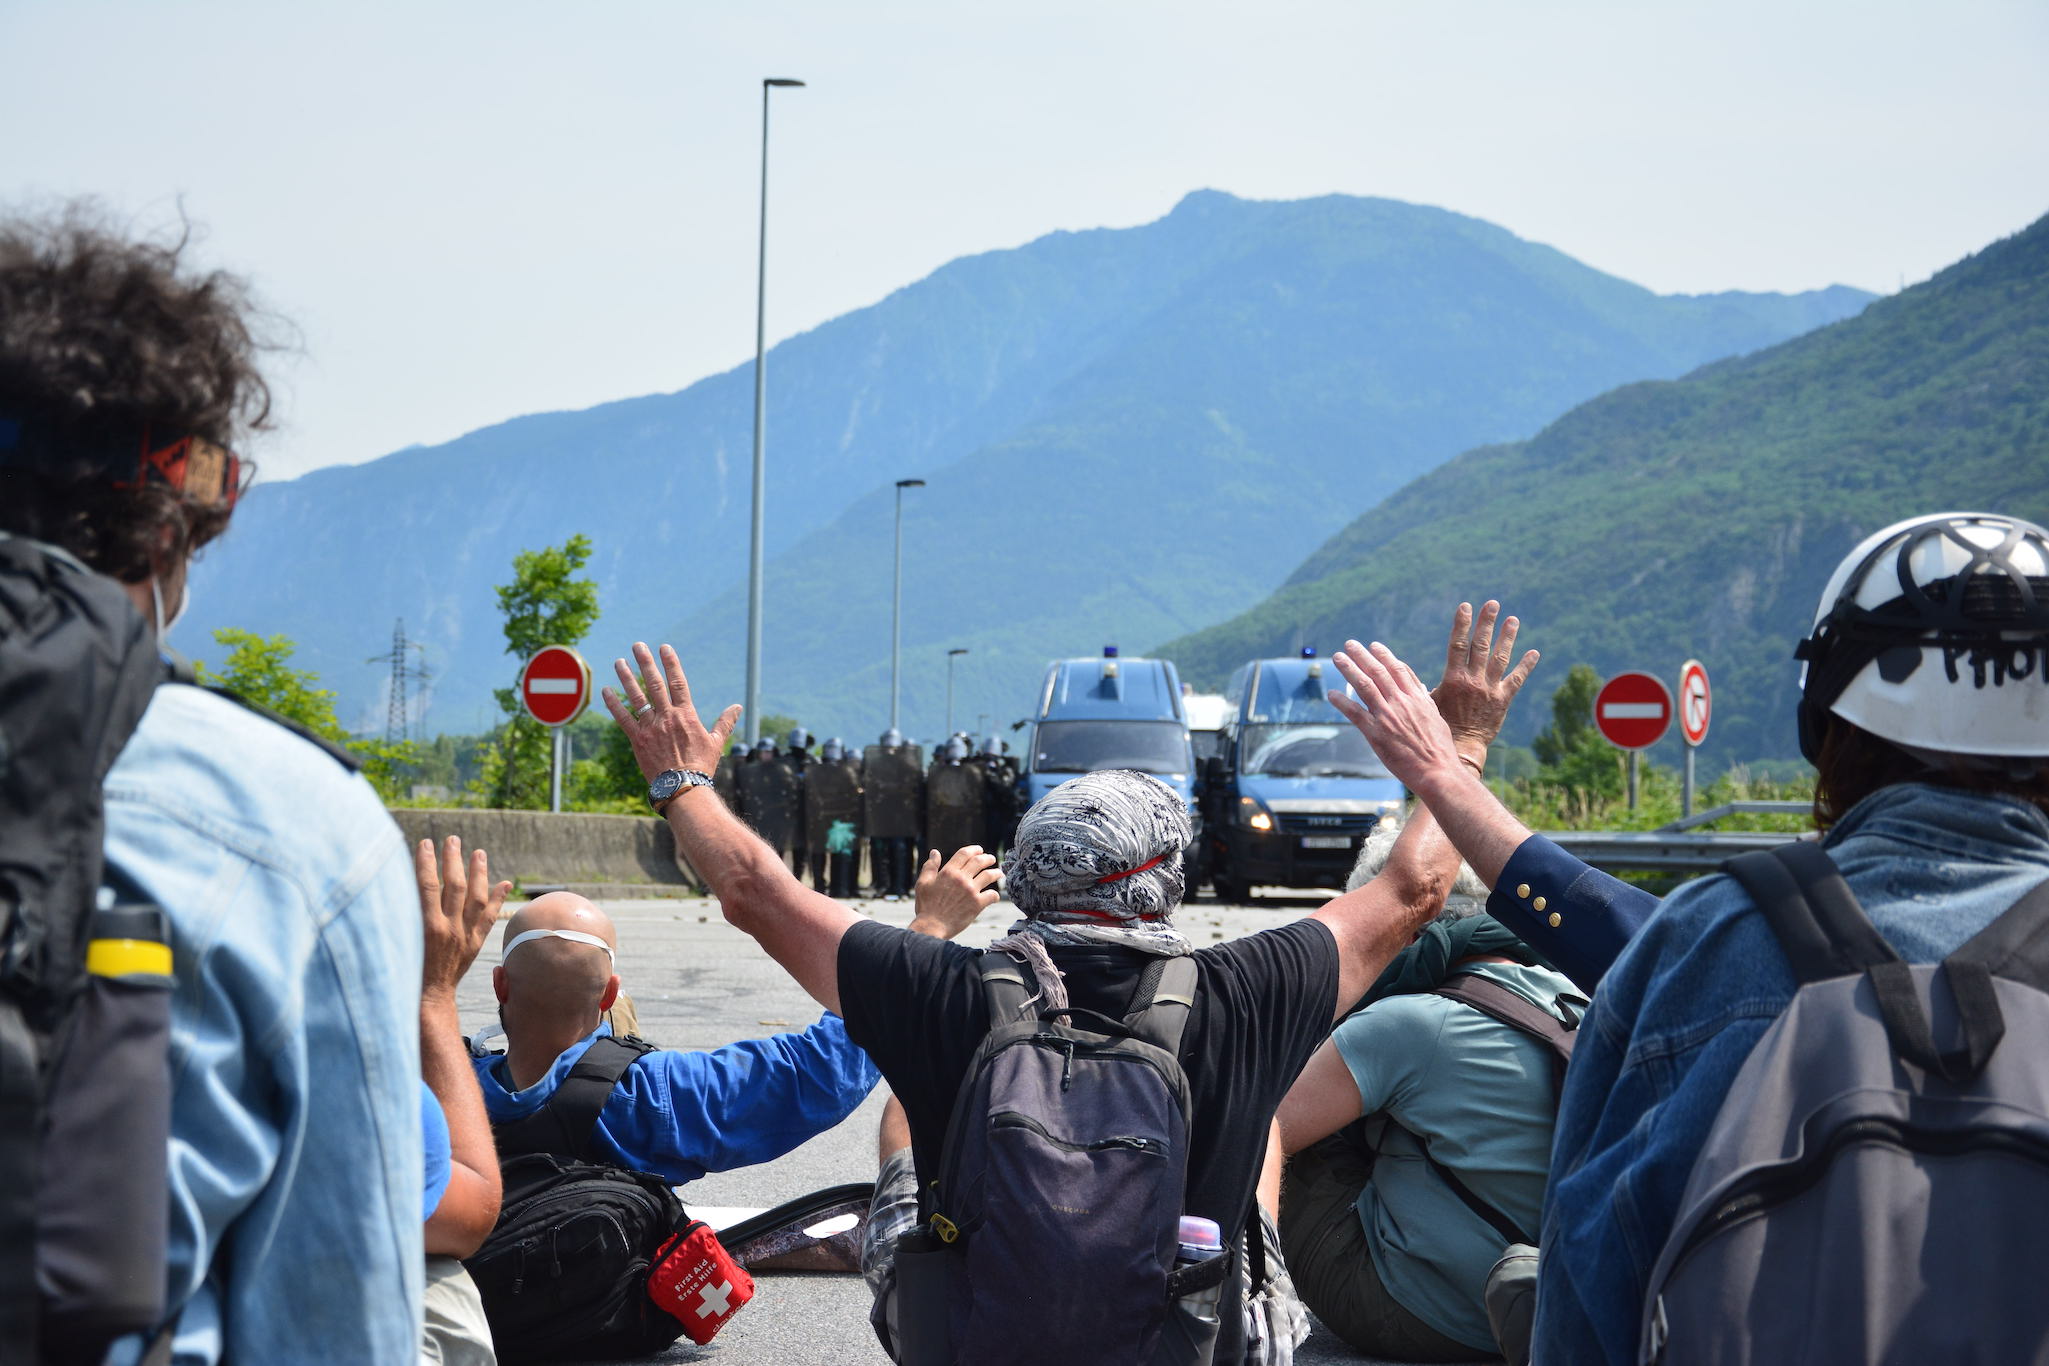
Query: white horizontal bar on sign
{"type": "Point", "coordinates": [1633, 711]}
{"type": "Point", "coordinates": [542, 687]}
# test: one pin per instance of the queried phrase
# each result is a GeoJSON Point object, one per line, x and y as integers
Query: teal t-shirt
{"type": "Point", "coordinates": [1479, 1094]}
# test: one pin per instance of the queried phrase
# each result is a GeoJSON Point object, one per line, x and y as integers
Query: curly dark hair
{"type": "Point", "coordinates": [101, 333]}
{"type": "Point", "coordinates": [1854, 763]}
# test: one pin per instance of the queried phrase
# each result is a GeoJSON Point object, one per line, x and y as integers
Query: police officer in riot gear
{"type": "Point", "coordinates": [797, 754]}
{"type": "Point", "coordinates": [892, 800]}
{"type": "Point", "coordinates": [769, 796]}
{"type": "Point", "coordinates": [955, 801]}
{"type": "Point", "coordinates": [832, 820]}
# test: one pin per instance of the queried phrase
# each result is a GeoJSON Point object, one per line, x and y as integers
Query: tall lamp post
{"type": "Point", "coordinates": [951, 655]}
{"type": "Point", "coordinates": [896, 611]}
{"type": "Point", "coordinates": [760, 407]}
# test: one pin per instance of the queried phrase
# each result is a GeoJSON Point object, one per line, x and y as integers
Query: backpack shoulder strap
{"type": "Point", "coordinates": [1162, 1016]}
{"type": "Point", "coordinates": [566, 1123]}
{"type": "Point", "coordinates": [1812, 912]}
{"type": "Point", "coordinates": [1497, 1002]}
{"type": "Point", "coordinates": [1004, 988]}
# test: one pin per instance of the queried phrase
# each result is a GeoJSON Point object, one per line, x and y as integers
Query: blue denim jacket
{"type": "Point", "coordinates": [1680, 1011]}
{"type": "Point", "coordinates": [680, 1115]}
{"type": "Point", "coordinates": [296, 1160]}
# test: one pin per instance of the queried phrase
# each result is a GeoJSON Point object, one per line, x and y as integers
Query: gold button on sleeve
{"type": "Point", "coordinates": [1523, 890]}
{"type": "Point", "coordinates": [1540, 903]}
{"type": "Point", "coordinates": [1556, 919]}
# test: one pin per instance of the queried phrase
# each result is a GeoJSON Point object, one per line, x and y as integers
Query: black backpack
{"type": "Point", "coordinates": [1878, 1173]}
{"type": "Point", "coordinates": [1051, 1232]}
{"type": "Point", "coordinates": [84, 977]}
{"type": "Point", "coordinates": [564, 1273]}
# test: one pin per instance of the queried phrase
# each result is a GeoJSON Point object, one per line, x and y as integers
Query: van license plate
{"type": "Point", "coordinates": [1326, 841]}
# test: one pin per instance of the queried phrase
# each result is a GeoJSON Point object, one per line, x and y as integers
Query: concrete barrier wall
{"type": "Point", "coordinates": [614, 853]}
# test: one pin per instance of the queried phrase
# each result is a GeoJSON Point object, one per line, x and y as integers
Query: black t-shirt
{"type": "Point", "coordinates": [1263, 1004]}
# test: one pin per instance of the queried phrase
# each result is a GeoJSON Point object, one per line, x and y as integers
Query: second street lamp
{"type": "Point", "coordinates": [896, 611]}
{"type": "Point", "coordinates": [951, 655]}
{"type": "Point", "coordinates": [753, 713]}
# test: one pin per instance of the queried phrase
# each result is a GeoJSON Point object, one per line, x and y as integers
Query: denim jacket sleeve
{"type": "Point", "coordinates": [296, 1149]}
{"type": "Point", "coordinates": [681, 1115]}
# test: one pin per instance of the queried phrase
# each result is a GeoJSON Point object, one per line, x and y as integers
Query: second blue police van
{"type": "Point", "coordinates": [1295, 789]}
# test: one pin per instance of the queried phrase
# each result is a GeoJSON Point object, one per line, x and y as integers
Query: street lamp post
{"type": "Point", "coordinates": [896, 611]}
{"type": "Point", "coordinates": [951, 655]}
{"type": "Point", "coordinates": [760, 406]}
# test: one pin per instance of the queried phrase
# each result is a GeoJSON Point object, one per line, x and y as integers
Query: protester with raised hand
{"type": "Point", "coordinates": [459, 906]}
{"type": "Point", "coordinates": [1575, 915]}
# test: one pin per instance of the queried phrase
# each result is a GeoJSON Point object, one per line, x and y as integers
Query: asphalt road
{"type": "Point", "coordinates": [698, 983]}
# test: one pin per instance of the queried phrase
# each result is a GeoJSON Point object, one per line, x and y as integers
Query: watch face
{"type": "Point", "coordinates": [665, 786]}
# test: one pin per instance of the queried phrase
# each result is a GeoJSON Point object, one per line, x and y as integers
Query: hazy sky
{"type": "Point", "coordinates": [476, 210]}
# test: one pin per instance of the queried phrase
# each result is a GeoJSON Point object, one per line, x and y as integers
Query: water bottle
{"type": "Point", "coordinates": [1201, 1240]}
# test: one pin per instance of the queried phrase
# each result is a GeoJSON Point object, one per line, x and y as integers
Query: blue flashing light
{"type": "Point", "coordinates": [1308, 652]}
{"type": "Point", "coordinates": [1109, 652]}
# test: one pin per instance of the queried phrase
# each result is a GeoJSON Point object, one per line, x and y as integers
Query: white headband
{"type": "Point", "coordinates": [576, 935]}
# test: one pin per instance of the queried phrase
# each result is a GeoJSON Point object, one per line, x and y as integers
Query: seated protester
{"type": "Point", "coordinates": [1381, 1242]}
{"type": "Point", "coordinates": [1098, 872]}
{"type": "Point", "coordinates": [458, 907]}
{"type": "Point", "coordinates": [1578, 917]}
{"type": "Point", "coordinates": [1925, 710]}
{"type": "Point", "coordinates": [676, 1114]}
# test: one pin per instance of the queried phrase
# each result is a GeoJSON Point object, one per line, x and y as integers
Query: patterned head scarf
{"type": "Point", "coordinates": [1098, 860]}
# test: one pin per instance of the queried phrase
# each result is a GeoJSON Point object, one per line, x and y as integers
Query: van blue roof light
{"type": "Point", "coordinates": [1109, 652]}
{"type": "Point", "coordinates": [1308, 652]}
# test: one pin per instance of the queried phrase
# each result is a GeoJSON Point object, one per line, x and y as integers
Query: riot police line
{"type": "Point", "coordinates": [858, 823]}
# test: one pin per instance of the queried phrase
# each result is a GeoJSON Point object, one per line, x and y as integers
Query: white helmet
{"type": "Point", "coordinates": [1934, 635]}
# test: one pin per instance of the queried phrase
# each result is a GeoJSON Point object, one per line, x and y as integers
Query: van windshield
{"type": "Point", "coordinates": [1086, 746]}
{"type": "Point", "coordinates": [1307, 751]}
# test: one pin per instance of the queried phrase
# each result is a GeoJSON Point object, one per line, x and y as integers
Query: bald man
{"type": "Point", "coordinates": [566, 1085]}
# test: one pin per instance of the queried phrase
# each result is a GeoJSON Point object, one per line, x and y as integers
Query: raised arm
{"type": "Point", "coordinates": [458, 906]}
{"type": "Point", "coordinates": [800, 928]}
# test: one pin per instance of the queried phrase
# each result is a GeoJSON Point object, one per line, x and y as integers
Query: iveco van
{"type": "Point", "coordinates": [1296, 789]}
{"type": "Point", "coordinates": [1109, 713]}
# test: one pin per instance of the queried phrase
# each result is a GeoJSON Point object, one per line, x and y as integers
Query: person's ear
{"type": "Point", "coordinates": [611, 993]}
{"type": "Point", "coordinates": [498, 983]}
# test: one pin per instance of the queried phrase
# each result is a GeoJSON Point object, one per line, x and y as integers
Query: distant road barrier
{"type": "Point", "coordinates": [1679, 847]}
{"type": "Point", "coordinates": [610, 856]}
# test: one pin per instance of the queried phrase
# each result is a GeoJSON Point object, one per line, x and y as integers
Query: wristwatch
{"type": "Point", "coordinates": [671, 781]}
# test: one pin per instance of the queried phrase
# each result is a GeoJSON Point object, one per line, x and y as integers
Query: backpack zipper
{"type": "Point", "coordinates": [1011, 1119]}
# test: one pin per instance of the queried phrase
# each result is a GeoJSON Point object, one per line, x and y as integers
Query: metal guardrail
{"type": "Point", "coordinates": [1658, 851]}
{"type": "Point", "coordinates": [1715, 813]}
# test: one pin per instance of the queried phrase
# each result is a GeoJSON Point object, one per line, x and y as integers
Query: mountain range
{"type": "Point", "coordinates": [1127, 435]}
{"type": "Point", "coordinates": [1700, 517]}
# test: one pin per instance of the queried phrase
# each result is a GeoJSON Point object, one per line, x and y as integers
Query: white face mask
{"type": "Point", "coordinates": [156, 597]}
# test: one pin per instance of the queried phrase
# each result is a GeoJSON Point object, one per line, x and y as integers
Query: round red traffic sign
{"type": "Point", "coordinates": [555, 685]}
{"type": "Point", "coordinates": [1633, 710]}
{"type": "Point", "coordinates": [1696, 703]}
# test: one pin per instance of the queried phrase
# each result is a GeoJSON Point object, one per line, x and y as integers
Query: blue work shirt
{"type": "Point", "coordinates": [681, 1115]}
{"type": "Point", "coordinates": [1687, 1001]}
{"type": "Point", "coordinates": [440, 1152]}
{"type": "Point", "coordinates": [296, 1160]}
{"type": "Point", "coordinates": [1577, 916]}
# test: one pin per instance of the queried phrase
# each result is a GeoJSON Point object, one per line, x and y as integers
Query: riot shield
{"type": "Point", "coordinates": [955, 807]}
{"type": "Point", "coordinates": [892, 792]}
{"type": "Point", "coordinates": [726, 782]}
{"type": "Point", "coordinates": [832, 793]}
{"type": "Point", "coordinates": [999, 800]}
{"type": "Point", "coordinates": [768, 800]}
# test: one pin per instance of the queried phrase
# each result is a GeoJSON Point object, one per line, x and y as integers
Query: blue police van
{"type": "Point", "coordinates": [1294, 790]}
{"type": "Point", "coordinates": [1109, 713]}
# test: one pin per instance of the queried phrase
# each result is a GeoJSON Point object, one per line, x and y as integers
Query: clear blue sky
{"type": "Point", "coordinates": [475, 210]}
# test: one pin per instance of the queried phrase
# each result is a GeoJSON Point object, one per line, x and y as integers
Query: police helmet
{"type": "Point", "coordinates": [833, 751]}
{"type": "Point", "coordinates": [892, 738]}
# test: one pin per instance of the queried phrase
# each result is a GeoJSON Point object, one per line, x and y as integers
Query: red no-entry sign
{"type": "Point", "coordinates": [1633, 710]}
{"type": "Point", "coordinates": [555, 685]}
{"type": "Point", "coordinates": [1696, 703]}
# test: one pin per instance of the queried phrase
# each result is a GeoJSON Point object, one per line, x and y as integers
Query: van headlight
{"type": "Point", "coordinates": [1252, 812]}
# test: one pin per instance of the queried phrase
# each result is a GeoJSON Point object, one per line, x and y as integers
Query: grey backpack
{"type": "Point", "coordinates": [1050, 1234]}
{"type": "Point", "coordinates": [1876, 1184]}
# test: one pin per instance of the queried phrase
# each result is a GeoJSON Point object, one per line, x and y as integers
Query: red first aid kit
{"type": "Point", "coordinates": [697, 1282]}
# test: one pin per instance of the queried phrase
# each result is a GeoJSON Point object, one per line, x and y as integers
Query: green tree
{"type": "Point", "coordinates": [259, 669]}
{"type": "Point", "coordinates": [545, 604]}
{"type": "Point", "coordinates": [1570, 751]}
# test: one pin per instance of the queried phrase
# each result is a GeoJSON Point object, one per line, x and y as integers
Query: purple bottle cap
{"type": "Point", "coordinates": [1197, 1231]}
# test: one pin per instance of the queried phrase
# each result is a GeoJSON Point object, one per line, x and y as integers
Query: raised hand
{"type": "Point", "coordinates": [950, 895]}
{"type": "Point", "coordinates": [458, 906]}
{"type": "Point", "coordinates": [1478, 684]}
{"type": "Point", "coordinates": [659, 720]}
